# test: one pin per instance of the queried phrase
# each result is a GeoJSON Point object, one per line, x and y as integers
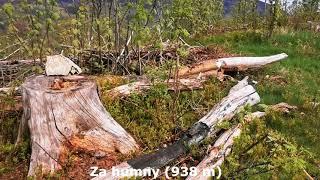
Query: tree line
{"type": "Point", "coordinates": [42, 27]}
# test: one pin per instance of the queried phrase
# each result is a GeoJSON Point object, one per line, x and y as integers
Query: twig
{"type": "Point", "coordinates": [122, 51]}
{"type": "Point", "coordinates": [308, 175]}
{"type": "Point", "coordinates": [254, 144]}
{"type": "Point", "coordinates": [103, 39]}
{"type": "Point", "coordinates": [184, 42]}
{"type": "Point", "coordinates": [239, 171]}
{"type": "Point", "coordinates": [5, 58]}
{"type": "Point", "coordinates": [67, 46]}
{"type": "Point", "coordinates": [9, 47]}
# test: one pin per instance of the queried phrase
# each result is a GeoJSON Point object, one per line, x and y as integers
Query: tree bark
{"type": "Point", "coordinates": [67, 110]}
{"type": "Point", "coordinates": [230, 64]}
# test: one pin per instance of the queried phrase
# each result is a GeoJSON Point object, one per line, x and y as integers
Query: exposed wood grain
{"type": "Point", "coordinates": [199, 67]}
{"type": "Point", "coordinates": [240, 95]}
{"type": "Point", "coordinates": [245, 63]}
{"type": "Point", "coordinates": [143, 85]}
{"type": "Point", "coordinates": [221, 149]}
{"type": "Point", "coordinates": [73, 115]}
{"type": "Point", "coordinates": [230, 64]}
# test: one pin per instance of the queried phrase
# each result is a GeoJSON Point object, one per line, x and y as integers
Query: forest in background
{"type": "Point", "coordinates": [152, 38]}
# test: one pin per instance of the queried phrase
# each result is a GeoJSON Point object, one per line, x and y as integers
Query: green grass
{"type": "Point", "coordinates": [299, 83]}
{"type": "Point", "coordinates": [158, 116]}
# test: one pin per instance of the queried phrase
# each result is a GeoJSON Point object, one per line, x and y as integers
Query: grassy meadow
{"type": "Point", "coordinates": [295, 80]}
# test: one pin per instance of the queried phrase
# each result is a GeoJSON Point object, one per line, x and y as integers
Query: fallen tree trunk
{"type": "Point", "coordinates": [67, 110]}
{"type": "Point", "coordinates": [142, 85]}
{"type": "Point", "coordinates": [198, 73]}
{"type": "Point", "coordinates": [127, 89]}
{"type": "Point", "coordinates": [14, 62]}
{"type": "Point", "coordinates": [230, 64]}
{"type": "Point", "coordinates": [220, 149]}
{"type": "Point", "coordinates": [239, 96]}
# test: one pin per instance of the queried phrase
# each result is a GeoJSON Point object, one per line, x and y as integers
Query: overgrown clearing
{"type": "Point", "coordinates": [282, 145]}
{"type": "Point", "coordinates": [295, 81]}
{"type": "Point", "coordinates": [150, 84]}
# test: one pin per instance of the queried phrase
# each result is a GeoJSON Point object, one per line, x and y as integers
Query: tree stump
{"type": "Point", "coordinates": [67, 110]}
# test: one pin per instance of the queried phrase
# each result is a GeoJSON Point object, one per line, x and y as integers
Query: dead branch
{"type": "Point", "coordinates": [283, 107]}
{"type": "Point", "coordinates": [12, 45]}
{"type": "Point", "coordinates": [230, 64]}
{"type": "Point", "coordinates": [9, 55]}
{"type": "Point", "coordinates": [308, 175]}
{"type": "Point", "coordinates": [14, 62]}
{"type": "Point", "coordinates": [7, 90]}
{"type": "Point", "coordinates": [220, 149]}
{"type": "Point", "coordinates": [143, 85]}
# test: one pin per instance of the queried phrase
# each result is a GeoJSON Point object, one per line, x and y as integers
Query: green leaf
{"type": "Point", "coordinates": [8, 9]}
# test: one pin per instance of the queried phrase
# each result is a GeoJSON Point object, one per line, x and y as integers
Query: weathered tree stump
{"type": "Point", "coordinates": [67, 109]}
